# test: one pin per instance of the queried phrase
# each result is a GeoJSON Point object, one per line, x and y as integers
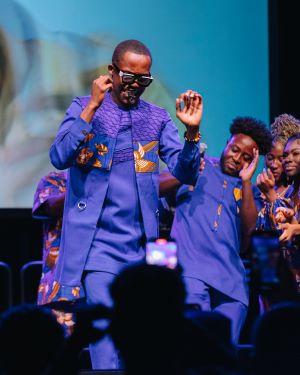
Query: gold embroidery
{"type": "Point", "coordinates": [101, 148]}
{"type": "Point", "coordinates": [89, 137]}
{"type": "Point", "coordinates": [141, 164]}
{"type": "Point", "coordinates": [55, 290]}
{"type": "Point", "coordinates": [150, 146]}
{"type": "Point", "coordinates": [52, 256]}
{"type": "Point", "coordinates": [55, 183]}
{"type": "Point", "coordinates": [76, 291]}
{"type": "Point", "coordinates": [84, 156]}
{"type": "Point", "coordinates": [219, 209]}
{"type": "Point", "coordinates": [237, 194]}
{"type": "Point", "coordinates": [97, 163]}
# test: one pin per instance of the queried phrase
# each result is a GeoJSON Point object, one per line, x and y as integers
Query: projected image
{"type": "Point", "coordinates": [39, 77]}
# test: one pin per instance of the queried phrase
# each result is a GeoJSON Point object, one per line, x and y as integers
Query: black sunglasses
{"type": "Point", "coordinates": [129, 78]}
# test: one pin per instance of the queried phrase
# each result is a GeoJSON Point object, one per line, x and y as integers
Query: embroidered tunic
{"type": "Point", "coordinates": [119, 237]}
{"type": "Point", "coordinates": [207, 230]}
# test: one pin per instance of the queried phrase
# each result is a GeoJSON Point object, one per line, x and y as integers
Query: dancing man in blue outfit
{"type": "Point", "coordinates": [214, 218]}
{"type": "Point", "coordinates": [111, 142]}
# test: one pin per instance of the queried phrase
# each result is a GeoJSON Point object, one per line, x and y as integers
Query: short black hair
{"type": "Point", "coordinates": [255, 129]}
{"type": "Point", "coordinates": [130, 45]}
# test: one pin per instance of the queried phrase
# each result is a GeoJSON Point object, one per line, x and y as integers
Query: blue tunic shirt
{"type": "Point", "coordinates": [207, 230]}
{"type": "Point", "coordinates": [119, 237]}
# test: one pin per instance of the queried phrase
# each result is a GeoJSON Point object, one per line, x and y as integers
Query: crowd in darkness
{"type": "Point", "coordinates": [154, 331]}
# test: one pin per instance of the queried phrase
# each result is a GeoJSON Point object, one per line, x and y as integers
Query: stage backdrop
{"type": "Point", "coordinates": [51, 50]}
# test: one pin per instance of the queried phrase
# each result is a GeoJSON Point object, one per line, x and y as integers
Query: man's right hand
{"type": "Point", "coordinates": [99, 87]}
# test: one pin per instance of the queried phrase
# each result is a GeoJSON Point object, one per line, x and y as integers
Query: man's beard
{"type": "Point", "coordinates": [237, 174]}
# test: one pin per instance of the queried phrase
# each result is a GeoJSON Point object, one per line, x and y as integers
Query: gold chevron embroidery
{"type": "Point", "coordinates": [150, 146]}
{"type": "Point", "coordinates": [145, 166]}
{"type": "Point", "coordinates": [141, 164]}
{"type": "Point", "coordinates": [140, 153]}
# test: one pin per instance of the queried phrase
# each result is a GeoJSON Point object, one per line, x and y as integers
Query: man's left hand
{"type": "Point", "coordinates": [191, 112]}
{"type": "Point", "coordinates": [248, 170]}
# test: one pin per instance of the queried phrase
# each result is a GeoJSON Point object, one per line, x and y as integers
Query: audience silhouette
{"type": "Point", "coordinates": [33, 342]}
{"type": "Point", "coordinates": [276, 339]}
{"type": "Point", "coordinates": [153, 329]}
{"type": "Point", "coordinates": [154, 333]}
{"type": "Point", "coordinates": [31, 338]}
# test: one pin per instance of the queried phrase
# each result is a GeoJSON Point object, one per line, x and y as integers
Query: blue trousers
{"type": "Point", "coordinates": [198, 292]}
{"type": "Point", "coordinates": [104, 356]}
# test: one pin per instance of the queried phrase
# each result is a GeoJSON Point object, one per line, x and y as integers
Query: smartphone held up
{"type": "Point", "coordinates": [162, 253]}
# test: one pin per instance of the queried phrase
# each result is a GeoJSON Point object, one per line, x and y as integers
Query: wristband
{"type": "Point", "coordinates": [194, 140]}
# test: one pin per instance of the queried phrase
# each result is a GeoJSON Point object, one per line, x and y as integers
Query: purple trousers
{"type": "Point", "coordinates": [198, 292]}
{"type": "Point", "coordinates": [103, 353]}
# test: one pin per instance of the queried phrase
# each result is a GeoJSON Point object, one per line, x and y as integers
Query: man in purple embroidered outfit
{"type": "Point", "coordinates": [111, 142]}
{"type": "Point", "coordinates": [214, 220]}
